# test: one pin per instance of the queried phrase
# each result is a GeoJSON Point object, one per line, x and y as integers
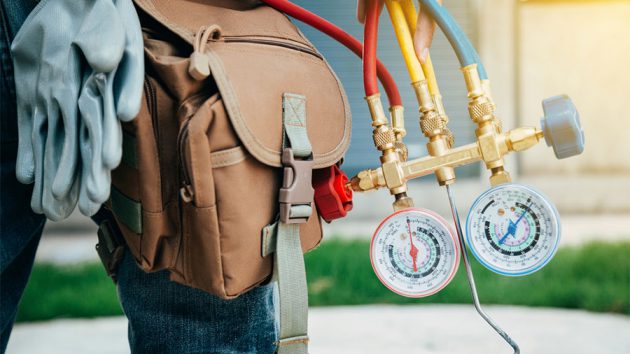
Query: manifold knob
{"type": "Point", "coordinates": [561, 126]}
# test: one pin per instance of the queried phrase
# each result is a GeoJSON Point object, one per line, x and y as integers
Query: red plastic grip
{"type": "Point", "coordinates": [332, 198]}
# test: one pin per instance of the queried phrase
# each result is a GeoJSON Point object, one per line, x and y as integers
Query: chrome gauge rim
{"type": "Point", "coordinates": [513, 229]}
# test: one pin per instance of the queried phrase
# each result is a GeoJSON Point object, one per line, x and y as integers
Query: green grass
{"type": "Point", "coordinates": [68, 291]}
{"type": "Point", "coordinates": [594, 277]}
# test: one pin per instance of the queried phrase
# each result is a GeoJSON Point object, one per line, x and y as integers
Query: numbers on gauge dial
{"type": "Point", "coordinates": [513, 229]}
{"type": "Point", "coordinates": [414, 253]}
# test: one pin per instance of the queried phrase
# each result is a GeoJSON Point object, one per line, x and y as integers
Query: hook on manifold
{"type": "Point", "coordinates": [471, 279]}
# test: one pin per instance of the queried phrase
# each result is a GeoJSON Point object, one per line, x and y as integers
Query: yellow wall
{"type": "Point", "coordinates": [582, 49]}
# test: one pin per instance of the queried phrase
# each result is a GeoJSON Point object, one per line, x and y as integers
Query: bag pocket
{"type": "Point", "coordinates": [228, 198]}
{"type": "Point", "coordinates": [146, 213]}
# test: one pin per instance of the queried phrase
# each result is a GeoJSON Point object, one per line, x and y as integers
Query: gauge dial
{"type": "Point", "coordinates": [414, 253]}
{"type": "Point", "coordinates": [513, 229]}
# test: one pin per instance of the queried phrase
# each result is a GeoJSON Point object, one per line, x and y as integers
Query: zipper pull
{"type": "Point", "coordinates": [187, 193]}
{"type": "Point", "coordinates": [199, 67]}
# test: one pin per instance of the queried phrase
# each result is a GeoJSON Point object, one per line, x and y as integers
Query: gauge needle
{"type": "Point", "coordinates": [413, 252]}
{"type": "Point", "coordinates": [512, 226]}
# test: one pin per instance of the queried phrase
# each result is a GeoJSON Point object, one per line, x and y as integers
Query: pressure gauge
{"type": "Point", "coordinates": [513, 229]}
{"type": "Point", "coordinates": [414, 252]}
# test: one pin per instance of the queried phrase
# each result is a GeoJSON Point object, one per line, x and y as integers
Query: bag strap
{"type": "Point", "coordinates": [296, 206]}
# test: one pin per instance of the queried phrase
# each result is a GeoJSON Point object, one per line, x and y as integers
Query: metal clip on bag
{"type": "Point", "coordinates": [202, 163]}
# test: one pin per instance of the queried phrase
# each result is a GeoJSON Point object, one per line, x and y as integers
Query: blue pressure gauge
{"type": "Point", "coordinates": [513, 229]}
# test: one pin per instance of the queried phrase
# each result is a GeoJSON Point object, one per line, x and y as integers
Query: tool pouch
{"type": "Point", "coordinates": [202, 165]}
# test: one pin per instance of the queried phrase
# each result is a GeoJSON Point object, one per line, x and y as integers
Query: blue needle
{"type": "Point", "coordinates": [513, 225]}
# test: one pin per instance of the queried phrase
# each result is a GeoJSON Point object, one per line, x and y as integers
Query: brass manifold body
{"type": "Point", "coordinates": [491, 146]}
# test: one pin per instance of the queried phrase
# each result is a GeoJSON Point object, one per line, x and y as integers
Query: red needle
{"type": "Point", "coordinates": [413, 252]}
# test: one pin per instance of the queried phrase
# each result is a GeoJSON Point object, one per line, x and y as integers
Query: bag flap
{"type": "Point", "coordinates": [260, 56]}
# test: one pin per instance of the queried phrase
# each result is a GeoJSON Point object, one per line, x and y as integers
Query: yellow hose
{"type": "Point", "coordinates": [405, 40]}
{"type": "Point", "coordinates": [411, 17]}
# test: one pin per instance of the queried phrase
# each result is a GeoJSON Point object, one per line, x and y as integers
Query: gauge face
{"type": "Point", "coordinates": [513, 229]}
{"type": "Point", "coordinates": [414, 253]}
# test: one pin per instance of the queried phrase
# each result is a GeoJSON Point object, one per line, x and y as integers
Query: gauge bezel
{"type": "Point", "coordinates": [546, 201]}
{"type": "Point", "coordinates": [441, 221]}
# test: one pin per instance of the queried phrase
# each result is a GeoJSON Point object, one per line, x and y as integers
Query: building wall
{"type": "Point", "coordinates": [537, 49]}
{"type": "Point", "coordinates": [582, 49]}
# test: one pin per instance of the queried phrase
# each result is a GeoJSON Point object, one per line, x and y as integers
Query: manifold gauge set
{"type": "Point", "coordinates": [511, 229]}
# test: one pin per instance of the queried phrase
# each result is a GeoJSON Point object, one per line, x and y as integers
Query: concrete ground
{"type": "Point", "coordinates": [422, 329]}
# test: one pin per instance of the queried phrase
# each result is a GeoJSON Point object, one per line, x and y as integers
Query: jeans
{"type": "Point", "coordinates": [179, 319]}
{"type": "Point", "coordinates": [164, 317]}
{"type": "Point", "coordinates": [20, 228]}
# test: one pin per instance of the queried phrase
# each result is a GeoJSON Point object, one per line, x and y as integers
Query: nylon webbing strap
{"type": "Point", "coordinates": [291, 276]}
{"type": "Point", "coordinates": [289, 261]}
{"type": "Point", "coordinates": [128, 211]}
{"type": "Point", "coordinates": [294, 125]}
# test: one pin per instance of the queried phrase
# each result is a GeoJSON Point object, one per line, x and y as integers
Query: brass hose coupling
{"type": "Point", "coordinates": [385, 140]}
{"type": "Point", "coordinates": [489, 127]}
{"type": "Point", "coordinates": [398, 126]}
{"type": "Point", "coordinates": [433, 126]}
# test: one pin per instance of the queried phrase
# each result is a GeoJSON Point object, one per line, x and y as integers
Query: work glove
{"type": "Point", "coordinates": [60, 46]}
{"type": "Point", "coordinates": [113, 97]}
{"type": "Point", "coordinates": [425, 28]}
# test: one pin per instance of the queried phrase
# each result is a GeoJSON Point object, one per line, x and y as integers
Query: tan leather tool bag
{"type": "Point", "coordinates": [202, 164]}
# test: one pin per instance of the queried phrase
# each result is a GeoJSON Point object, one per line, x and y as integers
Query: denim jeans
{"type": "Point", "coordinates": [164, 317]}
{"type": "Point", "coordinates": [179, 319]}
{"type": "Point", "coordinates": [20, 228]}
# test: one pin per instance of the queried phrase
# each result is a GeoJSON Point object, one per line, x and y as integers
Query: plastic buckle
{"type": "Point", "coordinates": [297, 188]}
{"type": "Point", "coordinates": [332, 198]}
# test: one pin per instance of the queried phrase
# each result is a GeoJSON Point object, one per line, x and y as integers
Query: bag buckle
{"type": "Point", "coordinates": [296, 193]}
{"type": "Point", "coordinates": [332, 198]}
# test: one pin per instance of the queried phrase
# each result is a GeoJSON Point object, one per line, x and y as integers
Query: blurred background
{"type": "Point", "coordinates": [532, 50]}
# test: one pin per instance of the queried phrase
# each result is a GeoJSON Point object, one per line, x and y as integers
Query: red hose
{"type": "Point", "coordinates": [342, 37]}
{"type": "Point", "coordinates": [370, 36]}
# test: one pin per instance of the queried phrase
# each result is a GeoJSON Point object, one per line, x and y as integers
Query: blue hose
{"type": "Point", "coordinates": [483, 74]}
{"type": "Point", "coordinates": [466, 53]}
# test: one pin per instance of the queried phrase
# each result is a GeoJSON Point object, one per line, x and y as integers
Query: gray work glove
{"type": "Point", "coordinates": [61, 44]}
{"type": "Point", "coordinates": [93, 172]}
{"type": "Point", "coordinates": [112, 97]}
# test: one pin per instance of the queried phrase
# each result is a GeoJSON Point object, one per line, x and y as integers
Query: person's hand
{"type": "Point", "coordinates": [424, 30]}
